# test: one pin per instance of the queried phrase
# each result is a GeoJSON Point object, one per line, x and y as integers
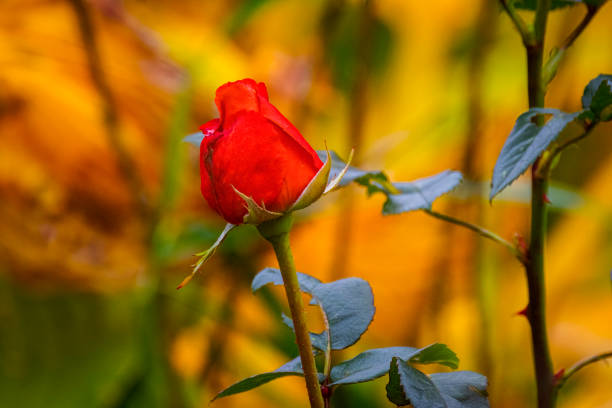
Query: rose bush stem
{"type": "Point", "coordinates": [101, 84]}
{"type": "Point", "coordinates": [538, 77]}
{"type": "Point", "coordinates": [536, 308]}
{"type": "Point", "coordinates": [277, 233]}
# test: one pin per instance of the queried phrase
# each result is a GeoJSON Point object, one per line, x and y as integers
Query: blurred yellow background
{"type": "Point", "coordinates": [100, 210]}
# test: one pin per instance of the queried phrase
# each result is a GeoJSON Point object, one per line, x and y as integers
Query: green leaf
{"type": "Point", "coordinates": [375, 183]}
{"type": "Point", "coordinates": [409, 386]}
{"type": "Point", "coordinates": [420, 194]}
{"type": "Point", "coordinates": [348, 305]}
{"type": "Point", "coordinates": [318, 340]}
{"type": "Point", "coordinates": [374, 363]}
{"type": "Point", "coordinates": [462, 389]}
{"type": "Point", "coordinates": [437, 353]}
{"type": "Point", "coordinates": [273, 275]}
{"type": "Point", "coordinates": [194, 138]}
{"type": "Point", "coordinates": [292, 368]}
{"type": "Point", "coordinates": [597, 97]}
{"type": "Point", "coordinates": [368, 365]}
{"type": "Point", "coordinates": [416, 195]}
{"type": "Point", "coordinates": [525, 143]}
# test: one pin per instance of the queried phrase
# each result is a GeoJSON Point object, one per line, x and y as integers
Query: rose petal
{"type": "Point", "coordinates": [234, 97]}
{"type": "Point", "coordinates": [271, 113]}
{"type": "Point", "coordinates": [207, 186]}
{"type": "Point", "coordinates": [209, 128]}
{"type": "Point", "coordinates": [248, 95]}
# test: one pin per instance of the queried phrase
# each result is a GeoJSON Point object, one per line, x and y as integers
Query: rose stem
{"type": "Point", "coordinates": [279, 238]}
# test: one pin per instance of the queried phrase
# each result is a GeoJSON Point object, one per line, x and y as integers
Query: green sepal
{"type": "Point", "coordinates": [350, 174]}
{"type": "Point", "coordinates": [335, 183]}
{"type": "Point", "coordinates": [597, 97]}
{"type": "Point", "coordinates": [275, 227]}
{"type": "Point", "coordinates": [205, 255]}
{"type": "Point", "coordinates": [315, 189]}
{"type": "Point", "coordinates": [256, 214]}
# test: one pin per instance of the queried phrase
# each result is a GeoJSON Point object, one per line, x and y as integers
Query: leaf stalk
{"type": "Point", "coordinates": [582, 364]}
{"type": "Point", "coordinates": [483, 232]}
{"type": "Point", "coordinates": [517, 20]}
{"type": "Point", "coordinates": [557, 150]}
{"type": "Point", "coordinates": [552, 64]}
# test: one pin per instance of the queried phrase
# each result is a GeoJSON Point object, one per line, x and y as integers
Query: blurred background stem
{"type": "Point", "coordinates": [481, 283]}
{"type": "Point", "coordinates": [357, 114]}
{"type": "Point", "coordinates": [109, 108]}
{"type": "Point", "coordinates": [156, 382]}
{"type": "Point", "coordinates": [484, 286]}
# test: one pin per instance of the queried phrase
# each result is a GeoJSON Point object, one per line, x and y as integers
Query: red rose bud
{"type": "Point", "coordinates": [253, 155]}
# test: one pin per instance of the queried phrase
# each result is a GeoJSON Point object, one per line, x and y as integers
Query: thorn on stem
{"type": "Point", "coordinates": [521, 244]}
{"type": "Point", "coordinates": [523, 312]}
{"type": "Point", "coordinates": [326, 391]}
{"type": "Point", "coordinates": [546, 199]}
{"type": "Point", "coordinates": [558, 376]}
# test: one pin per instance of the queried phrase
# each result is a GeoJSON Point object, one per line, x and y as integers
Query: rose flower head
{"type": "Point", "coordinates": [254, 164]}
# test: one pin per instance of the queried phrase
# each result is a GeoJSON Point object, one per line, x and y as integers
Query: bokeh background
{"type": "Point", "coordinates": [100, 210]}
